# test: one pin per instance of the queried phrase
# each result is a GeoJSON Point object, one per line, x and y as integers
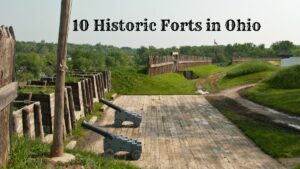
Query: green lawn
{"type": "Point", "coordinates": [32, 154]}
{"type": "Point", "coordinates": [238, 74]}
{"type": "Point", "coordinates": [241, 80]}
{"type": "Point", "coordinates": [206, 70]}
{"type": "Point", "coordinates": [78, 132]}
{"type": "Point", "coordinates": [286, 100]}
{"type": "Point", "coordinates": [285, 78]}
{"type": "Point", "coordinates": [131, 82]}
{"type": "Point", "coordinates": [71, 79]}
{"type": "Point", "coordinates": [245, 73]}
{"type": "Point", "coordinates": [250, 67]}
{"type": "Point", "coordinates": [37, 90]}
{"type": "Point", "coordinates": [276, 140]}
{"type": "Point", "coordinates": [226, 83]}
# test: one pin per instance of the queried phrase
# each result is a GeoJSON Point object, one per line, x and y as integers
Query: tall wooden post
{"type": "Point", "coordinates": [8, 90]}
{"type": "Point", "coordinates": [57, 148]}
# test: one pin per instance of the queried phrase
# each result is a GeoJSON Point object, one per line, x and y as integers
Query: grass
{"type": "Point", "coordinates": [240, 74]}
{"type": "Point", "coordinates": [249, 68]}
{"type": "Point", "coordinates": [32, 154]}
{"type": "Point", "coordinates": [285, 78]}
{"type": "Point", "coordinates": [71, 79]}
{"type": "Point", "coordinates": [286, 100]}
{"type": "Point", "coordinates": [132, 82]}
{"type": "Point", "coordinates": [276, 140]}
{"type": "Point", "coordinates": [206, 70]}
{"type": "Point", "coordinates": [280, 91]}
{"type": "Point", "coordinates": [226, 83]}
{"type": "Point", "coordinates": [78, 133]}
{"type": "Point", "coordinates": [241, 80]}
{"type": "Point", "coordinates": [37, 90]}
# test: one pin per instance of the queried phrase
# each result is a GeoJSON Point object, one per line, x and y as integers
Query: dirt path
{"type": "Point", "coordinates": [184, 132]}
{"type": "Point", "coordinates": [211, 80]}
{"type": "Point", "coordinates": [276, 116]}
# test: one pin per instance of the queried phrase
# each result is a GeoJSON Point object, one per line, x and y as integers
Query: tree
{"type": "Point", "coordinates": [282, 46]}
{"type": "Point", "coordinates": [49, 61]}
{"type": "Point", "coordinates": [142, 56]}
{"type": "Point", "coordinates": [30, 65]}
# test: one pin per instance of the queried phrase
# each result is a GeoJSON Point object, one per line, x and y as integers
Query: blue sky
{"type": "Point", "coordinates": [36, 20]}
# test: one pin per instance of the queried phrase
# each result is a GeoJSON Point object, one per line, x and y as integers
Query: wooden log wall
{"type": "Point", "coordinates": [35, 119]}
{"type": "Point", "coordinates": [107, 80]}
{"type": "Point", "coordinates": [160, 65]}
{"type": "Point", "coordinates": [76, 92]}
{"type": "Point", "coordinates": [47, 104]}
{"type": "Point", "coordinates": [8, 90]}
{"type": "Point", "coordinates": [28, 120]}
{"type": "Point", "coordinates": [185, 61]}
{"type": "Point", "coordinates": [78, 96]}
{"type": "Point", "coordinates": [168, 64]}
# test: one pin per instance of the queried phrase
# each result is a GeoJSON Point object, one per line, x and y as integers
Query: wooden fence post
{"type": "Point", "coordinates": [84, 97]}
{"type": "Point", "coordinates": [90, 90]}
{"type": "Point", "coordinates": [102, 84]}
{"type": "Point", "coordinates": [88, 96]}
{"type": "Point", "coordinates": [67, 116]}
{"type": "Point", "coordinates": [57, 148]}
{"type": "Point", "coordinates": [7, 90]}
{"type": "Point", "coordinates": [27, 123]}
{"type": "Point", "coordinates": [38, 124]}
{"type": "Point", "coordinates": [71, 107]}
{"type": "Point", "coordinates": [98, 86]}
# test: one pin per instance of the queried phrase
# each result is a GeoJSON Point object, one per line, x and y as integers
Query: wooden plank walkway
{"type": "Point", "coordinates": [184, 132]}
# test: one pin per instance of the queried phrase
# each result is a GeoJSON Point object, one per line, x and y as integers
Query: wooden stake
{"type": "Point", "coordinates": [71, 107]}
{"type": "Point", "coordinates": [57, 148]}
{"type": "Point", "coordinates": [39, 131]}
{"type": "Point", "coordinates": [26, 122]}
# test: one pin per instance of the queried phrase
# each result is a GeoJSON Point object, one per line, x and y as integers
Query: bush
{"type": "Point", "coordinates": [286, 78]}
{"type": "Point", "coordinates": [249, 68]}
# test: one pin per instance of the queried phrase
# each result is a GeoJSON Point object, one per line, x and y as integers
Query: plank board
{"type": "Point", "coordinates": [183, 132]}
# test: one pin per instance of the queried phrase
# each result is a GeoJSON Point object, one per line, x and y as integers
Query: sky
{"type": "Point", "coordinates": [36, 20]}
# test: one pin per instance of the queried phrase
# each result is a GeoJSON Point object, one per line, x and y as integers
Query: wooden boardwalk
{"type": "Point", "coordinates": [184, 132]}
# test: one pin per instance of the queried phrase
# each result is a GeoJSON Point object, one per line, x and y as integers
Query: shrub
{"type": "Point", "coordinates": [285, 78]}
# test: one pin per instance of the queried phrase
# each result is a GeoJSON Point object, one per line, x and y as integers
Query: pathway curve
{"type": "Point", "coordinates": [276, 116]}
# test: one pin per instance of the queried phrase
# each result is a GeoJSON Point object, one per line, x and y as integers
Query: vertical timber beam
{"type": "Point", "coordinates": [57, 148]}
{"type": "Point", "coordinates": [38, 124]}
{"type": "Point", "coordinates": [71, 107]}
{"type": "Point", "coordinates": [7, 52]}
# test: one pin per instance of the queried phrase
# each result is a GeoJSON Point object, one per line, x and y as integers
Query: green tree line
{"type": "Point", "coordinates": [37, 59]}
